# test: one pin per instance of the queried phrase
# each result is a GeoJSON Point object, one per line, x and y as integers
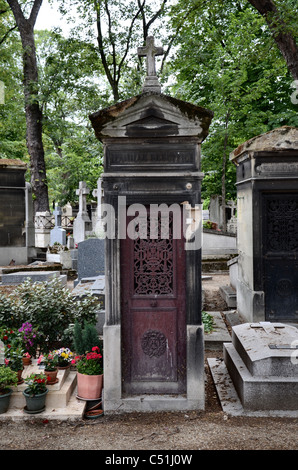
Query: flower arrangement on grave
{"type": "Point", "coordinates": [64, 357]}
{"type": "Point", "coordinates": [13, 357]}
{"type": "Point", "coordinates": [89, 374]}
{"type": "Point", "coordinates": [13, 351]}
{"type": "Point", "coordinates": [26, 359]}
{"type": "Point", "coordinates": [35, 393]}
{"type": "Point", "coordinates": [90, 363]}
{"type": "Point", "coordinates": [36, 384]}
{"type": "Point", "coordinates": [29, 337]}
{"type": "Point", "coordinates": [50, 361]}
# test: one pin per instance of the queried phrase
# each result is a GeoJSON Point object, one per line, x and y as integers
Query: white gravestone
{"type": "Point", "coordinates": [82, 224]}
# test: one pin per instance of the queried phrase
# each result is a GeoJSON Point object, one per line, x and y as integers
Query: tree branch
{"type": "Point", "coordinates": [34, 12]}
{"type": "Point", "coordinates": [284, 39]}
{"type": "Point", "coordinates": [7, 34]}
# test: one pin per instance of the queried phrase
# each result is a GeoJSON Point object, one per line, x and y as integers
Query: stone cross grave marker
{"type": "Point", "coordinates": [150, 51]}
{"type": "Point", "coordinates": [58, 234]}
{"type": "Point", "coordinates": [82, 192]}
{"type": "Point", "coordinates": [82, 223]}
{"type": "Point", "coordinates": [98, 225]}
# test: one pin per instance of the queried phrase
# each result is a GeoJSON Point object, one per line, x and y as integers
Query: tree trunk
{"type": "Point", "coordinates": [284, 39]}
{"type": "Point", "coordinates": [223, 180]}
{"type": "Point", "coordinates": [32, 107]}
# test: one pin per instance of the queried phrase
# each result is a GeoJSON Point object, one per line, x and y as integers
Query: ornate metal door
{"type": "Point", "coordinates": [153, 313]}
{"type": "Point", "coordinates": [280, 250]}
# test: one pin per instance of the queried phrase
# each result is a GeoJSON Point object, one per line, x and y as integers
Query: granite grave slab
{"type": "Point", "coordinates": [262, 362]}
{"type": "Point", "coordinates": [38, 276]}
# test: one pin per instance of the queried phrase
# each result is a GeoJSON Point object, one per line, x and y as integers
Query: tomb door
{"type": "Point", "coordinates": [153, 318]}
{"type": "Point", "coordinates": [280, 256]}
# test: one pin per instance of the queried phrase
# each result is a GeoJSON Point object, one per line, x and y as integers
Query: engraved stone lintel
{"type": "Point", "coordinates": [278, 167]}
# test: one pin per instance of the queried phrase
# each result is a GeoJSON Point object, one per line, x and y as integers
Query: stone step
{"type": "Point", "coordinates": [59, 393]}
{"type": "Point", "coordinates": [229, 296]}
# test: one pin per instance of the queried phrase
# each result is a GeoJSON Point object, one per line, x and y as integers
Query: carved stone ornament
{"type": "Point", "coordinates": [154, 343]}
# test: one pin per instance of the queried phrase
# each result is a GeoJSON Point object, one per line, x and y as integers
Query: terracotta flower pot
{"type": "Point", "coordinates": [27, 361]}
{"type": "Point", "coordinates": [20, 378]}
{"type": "Point", "coordinates": [52, 376]}
{"type": "Point", "coordinates": [89, 386]}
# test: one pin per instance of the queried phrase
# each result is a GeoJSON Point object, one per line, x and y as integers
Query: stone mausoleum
{"type": "Point", "coordinates": [267, 212]}
{"type": "Point", "coordinates": [153, 333]}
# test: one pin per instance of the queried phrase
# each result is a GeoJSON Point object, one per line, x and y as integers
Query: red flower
{"type": "Point", "coordinates": [5, 337]}
{"type": "Point", "coordinates": [9, 346]}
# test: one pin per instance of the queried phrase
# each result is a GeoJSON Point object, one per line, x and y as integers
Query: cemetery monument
{"type": "Point", "coordinates": [267, 200]}
{"type": "Point", "coordinates": [153, 333]}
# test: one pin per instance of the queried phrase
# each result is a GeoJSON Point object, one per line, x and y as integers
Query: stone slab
{"type": "Point", "coordinates": [38, 276]}
{"type": "Point", "coordinates": [229, 399]}
{"type": "Point", "coordinates": [229, 296]}
{"type": "Point", "coordinates": [256, 343]}
{"type": "Point", "coordinates": [219, 335]}
{"type": "Point", "coordinates": [260, 392]}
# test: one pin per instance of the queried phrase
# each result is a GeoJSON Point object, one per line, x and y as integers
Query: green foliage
{"type": "Point", "coordinates": [6, 312]}
{"type": "Point", "coordinates": [85, 338]}
{"type": "Point", "coordinates": [208, 322]}
{"type": "Point", "coordinates": [8, 378]}
{"type": "Point", "coordinates": [227, 61]}
{"type": "Point", "coordinates": [52, 308]}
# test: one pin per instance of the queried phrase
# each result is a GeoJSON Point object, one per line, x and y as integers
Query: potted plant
{"type": "Point", "coordinates": [13, 351]}
{"type": "Point", "coordinates": [35, 393]}
{"type": "Point", "coordinates": [8, 378]}
{"type": "Point", "coordinates": [26, 359]}
{"type": "Point", "coordinates": [89, 374]}
{"type": "Point", "coordinates": [50, 362]}
{"type": "Point", "coordinates": [64, 357]}
{"type": "Point", "coordinates": [14, 360]}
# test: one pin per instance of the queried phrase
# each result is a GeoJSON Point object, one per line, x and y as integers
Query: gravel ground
{"type": "Point", "coordinates": [210, 429]}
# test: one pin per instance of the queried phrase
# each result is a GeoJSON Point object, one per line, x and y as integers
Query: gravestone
{"type": "Point", "coordinates": [262, 363]}
{"type": "Point", "coordinates": [82, 224]}
{"type": "Point", "coordinates": [37, 276]}
{"type": "Point", "coordinates": [267, 213]}
{"type": "Point", "coordinates": [153, 333]}
{"type": "Point", "coordinates": [97, 223]}
{"type": "Point", "coordinates": [91, 258]}
{"type": "Point", "coordinates": [58, 234]}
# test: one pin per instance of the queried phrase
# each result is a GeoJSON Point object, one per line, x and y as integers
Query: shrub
{"type": "Point", "coordinates": [6, 312]}
{"type": "Point", "coordinates": [51, 308]}
{"type": "Point", "coordinates": [8, 378]}
{"type": "Point", "coordinates": [84, 339]}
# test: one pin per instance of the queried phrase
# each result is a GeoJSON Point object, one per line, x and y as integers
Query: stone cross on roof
{"type": "Point", "coordinates": [150, 51]}
{"type": "Point", "coordinates": [82, 193]}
